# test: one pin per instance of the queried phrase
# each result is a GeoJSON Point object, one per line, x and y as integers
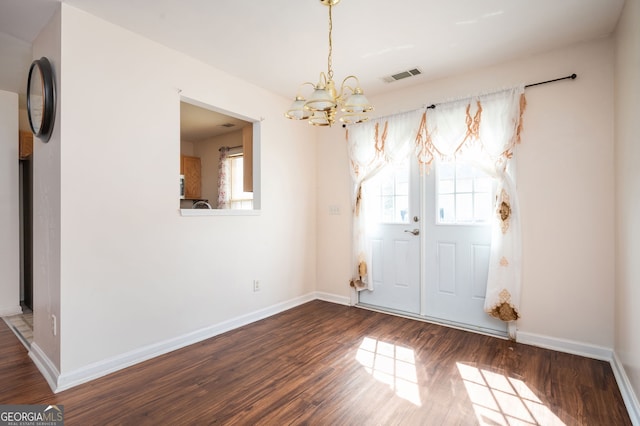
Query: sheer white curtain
{"type": "Point", "coordinates": [372, 146]}
{"type": "Point", "coordinates": [485, 131]}
{"type": "Point", "coordinates": [224, 185]}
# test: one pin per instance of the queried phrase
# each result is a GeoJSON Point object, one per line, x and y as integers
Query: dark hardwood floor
{"type": "Point", "coordinates": [327, 364]}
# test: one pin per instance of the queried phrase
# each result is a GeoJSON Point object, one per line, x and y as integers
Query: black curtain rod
{"type": "Point", "coordinates": [229, 147]}
{"type": "Point", "coordinates": [571, 77]}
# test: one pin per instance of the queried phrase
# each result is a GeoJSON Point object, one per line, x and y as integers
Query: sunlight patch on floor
{"type": "Point", "coordinates": [502, 400]}
{"type": "Point", "coordinates": [392, 365]}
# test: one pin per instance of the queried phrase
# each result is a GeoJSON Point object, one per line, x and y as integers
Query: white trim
{"type": "Point", "coordinates": [219, 212]}
{"type": "Point", "coordinates": [333, 298]}
{"type": "Point", "coordinates": [10, 311]}
{"type": "Point", "coordinates": [628, 395]}
{"type": "Point", "coordinates": [563, 345]}
{"type": "Point", "coordinates": [45, 365]}
{"type": "Point", "coordinates": [98, 369]}
{"type": "Point", "coordinates": [591, 351]}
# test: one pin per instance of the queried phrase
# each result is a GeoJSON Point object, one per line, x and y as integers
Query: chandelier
{"type": "Point", "coordinates": [321, 108]}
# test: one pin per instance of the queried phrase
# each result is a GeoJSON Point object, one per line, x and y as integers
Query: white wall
{"type": "Point", "coordinates": [334, 232]}
{"type": "Point", "coordinates": [47, 211]}
{"type": "Point", "coordinates": [565, 182]}
{"type": "Point", "coordinates": [9, 219]}
{"type": "Point", "coordinates": [627, 320]}
{"type": "Point", "coordinates": [133, 272]}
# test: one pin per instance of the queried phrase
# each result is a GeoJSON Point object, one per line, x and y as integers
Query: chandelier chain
{"type": "Point", "coordinates": [329, 63]}
{"type": "Point", "coordinates": [321, 109]}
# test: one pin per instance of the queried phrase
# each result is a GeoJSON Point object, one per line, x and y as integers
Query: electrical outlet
{"type": "Point", "coordinates": [256, 285]}
{"type": "Point", "coordinates": [54, 325]}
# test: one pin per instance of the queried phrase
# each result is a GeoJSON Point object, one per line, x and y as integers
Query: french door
{"type": "Point", "coordinates": [394, 235]}
{"type": "Point", "coordinates": [431, 238]}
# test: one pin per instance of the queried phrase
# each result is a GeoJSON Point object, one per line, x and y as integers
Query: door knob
{"type": "Point", "coordinates": [413, 231]}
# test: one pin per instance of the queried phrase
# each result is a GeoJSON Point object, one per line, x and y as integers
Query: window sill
{"type": "Point", "coordinates": [218, 212]}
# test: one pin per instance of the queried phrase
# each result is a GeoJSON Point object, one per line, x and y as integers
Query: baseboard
{"type": "Point", "coordinates": [8, 311]}
{"type": "Point", "coordinates": [595, 352]}
{"type": "Point", "coordinates": [628, 395]}
{"type": "Point", "coordinates": [568, 346]}
{"type": "Point", "coordinates": [45, 365]}
{"type": "Point", "coordinates": [333, 298]}
{"type": "Point", "coordinates": [93, 371]}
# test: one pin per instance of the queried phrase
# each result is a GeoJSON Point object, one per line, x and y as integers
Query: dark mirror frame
{"type": "Point", "coordinates": [43, 67]}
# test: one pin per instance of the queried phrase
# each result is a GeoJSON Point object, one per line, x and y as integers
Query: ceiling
{"type": "Point", "coordinates": [197, 123]}
{"type": "Point", "coordinates": [279, 44]}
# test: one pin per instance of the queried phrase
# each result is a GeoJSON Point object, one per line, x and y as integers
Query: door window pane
{"type": "Point", "coordinates": [464, 185]}
{"type": "Point", "coordinates": [447, 186]}
{"type": "Point", "coordinates": [388, 192]}
{"type": "Point", "coordinates": [482, 206]}
{"type": "Point", "coordinates": [464, 208]}
{"type": "Point", "coordinates": [465, 194]}
{"type": "Point", "coordinates": [446, 208]}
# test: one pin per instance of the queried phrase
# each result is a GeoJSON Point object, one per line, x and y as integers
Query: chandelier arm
{"type": "Point", "coordinates": [351, 76]}
{"type": "Point", "coordinates": [305, 84]}
{"type": "Point", "coordinates": [344, 86]}
{"type": "Point", "coordinates": [322, 80]}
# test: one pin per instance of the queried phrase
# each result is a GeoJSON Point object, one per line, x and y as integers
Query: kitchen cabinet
{"type": "Point", "coordinates": [25, 147]}
{"type": "Point", "coordinates": [190, 168]}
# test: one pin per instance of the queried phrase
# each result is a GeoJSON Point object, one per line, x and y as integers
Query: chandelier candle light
{"type": "Point", "coordinates": [321, 108]}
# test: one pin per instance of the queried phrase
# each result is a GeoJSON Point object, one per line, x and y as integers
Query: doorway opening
{"type": "Point", "coordinates": [22, 324]}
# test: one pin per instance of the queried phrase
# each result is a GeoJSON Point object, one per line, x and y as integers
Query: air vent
{"type": "Point", "coordinates": [228, 125]}
{"type": "Point", "coordinates": [402, 74]}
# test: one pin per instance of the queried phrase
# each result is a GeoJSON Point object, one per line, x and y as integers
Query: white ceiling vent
{"type": "Point", "coordinates": [402, 74]}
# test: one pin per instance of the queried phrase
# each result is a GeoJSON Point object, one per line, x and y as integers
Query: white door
{"type": "Point", "coordinates": [393, 210]}
{"type": "Point", "coordinates": [457, 244]}
{"type": "Point", "coordinates": [450, 245]}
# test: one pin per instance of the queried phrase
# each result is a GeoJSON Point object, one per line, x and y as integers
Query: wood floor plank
{"type": "Point", "coordinates": [327, 364]}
